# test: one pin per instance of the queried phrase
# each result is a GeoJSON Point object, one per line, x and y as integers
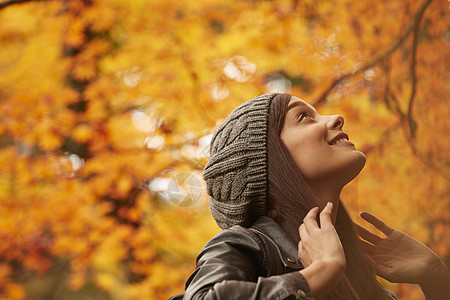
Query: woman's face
{"type": "Point", "coordinates": [319, 147]}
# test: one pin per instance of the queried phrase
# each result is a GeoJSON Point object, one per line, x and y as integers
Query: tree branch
{"type": "Point", "coordinates": [412, 124]}
{"type": "Point", "coordinates": [415, 22]}
{"type": "Point", "coordinates": [11, 2]}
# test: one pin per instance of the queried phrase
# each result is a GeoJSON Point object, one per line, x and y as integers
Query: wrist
{"type": "Point", "coordinates": [435, 269]}
{"type": "Point", "coordinates": [323, 276]}
{"type": "Point", "coordinates": [436, 285]}
{"type": "Point", "coordinates": [434, 273]}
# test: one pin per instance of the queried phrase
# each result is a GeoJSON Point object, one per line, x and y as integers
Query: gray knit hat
{"type": "Point", "coordinates": [236, 174]}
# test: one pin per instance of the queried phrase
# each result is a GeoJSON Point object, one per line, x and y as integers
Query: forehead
{"type": "Point", "coordinates": [297, 102]}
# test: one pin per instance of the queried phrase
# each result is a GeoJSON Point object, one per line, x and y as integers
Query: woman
{"type": "Point", "coordinates": [275, 163]}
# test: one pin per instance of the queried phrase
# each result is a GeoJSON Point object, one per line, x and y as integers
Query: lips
{"type": "Point", "coordinates": [339, 139]}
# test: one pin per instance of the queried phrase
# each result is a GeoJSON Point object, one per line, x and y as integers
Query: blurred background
{"type": "Point", "coordinates": [107, 108]}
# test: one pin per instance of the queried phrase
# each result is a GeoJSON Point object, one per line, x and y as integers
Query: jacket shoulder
{"type": "Point", "coordinates": [235, 241]}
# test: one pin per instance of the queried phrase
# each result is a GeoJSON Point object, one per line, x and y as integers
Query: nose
{"type": "Point", "coordinates": [335, 122]}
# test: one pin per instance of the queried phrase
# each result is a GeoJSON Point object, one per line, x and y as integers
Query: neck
{"type": "Point", "coordinates": [323, 195]}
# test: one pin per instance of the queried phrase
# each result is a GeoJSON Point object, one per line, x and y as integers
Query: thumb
{"type": "Point", "coordinates": [380, 269]}
{"type": "Point", "coordinates": [383, 271]}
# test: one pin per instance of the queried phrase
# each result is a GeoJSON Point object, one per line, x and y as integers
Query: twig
{"type": "Point", "coordinates": [411, 122]}
{"type": "Point", "coordinates": [382, 56]}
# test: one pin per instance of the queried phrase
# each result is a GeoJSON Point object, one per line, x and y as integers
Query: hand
{"type": "Point", "coordinates": [397, 257]}
{"type": "Point", "coordinates": [320, 243]}
{"type": "Point", "coordinates": [320, 252]}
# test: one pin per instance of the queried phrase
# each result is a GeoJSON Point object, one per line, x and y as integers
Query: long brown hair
{"type": "Point", "coordinates": [290, 199]}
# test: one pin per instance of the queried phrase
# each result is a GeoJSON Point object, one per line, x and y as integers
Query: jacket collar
{"type": "Point", "coordinates": [287, 248]}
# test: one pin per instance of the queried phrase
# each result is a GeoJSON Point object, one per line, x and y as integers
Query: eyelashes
{"type": "Point", "coordinates": [303, 115]}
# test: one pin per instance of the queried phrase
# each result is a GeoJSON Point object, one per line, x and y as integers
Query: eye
{"type": "Point", "coordinates": [303, 115]}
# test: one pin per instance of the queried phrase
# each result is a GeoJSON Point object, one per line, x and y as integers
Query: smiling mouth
{"type": "Point", "coordinates": [340, 141]}
{"type": "Point", "coordinates": [343, 142]}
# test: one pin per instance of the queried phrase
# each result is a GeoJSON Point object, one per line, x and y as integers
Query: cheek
{"type": "Point", "coordinates": [310, 163]}
{"type": "Point", "coordinates": [306, 154]}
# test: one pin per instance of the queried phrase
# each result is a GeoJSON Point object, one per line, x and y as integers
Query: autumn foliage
{"type": "Point", "coordinates": [105, 104]}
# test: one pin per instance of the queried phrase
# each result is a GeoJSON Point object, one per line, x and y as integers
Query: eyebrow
{"type": "Point", "coordinates": [295, 104]}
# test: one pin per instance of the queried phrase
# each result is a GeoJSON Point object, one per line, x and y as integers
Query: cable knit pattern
{"type": "Point", "coordinates": [236, 175]}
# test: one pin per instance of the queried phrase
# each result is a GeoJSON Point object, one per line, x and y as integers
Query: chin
{"type": "Point", "coordinates": [356, 167]}
{"type": "Point", "coordinates": [337, 175]}
{"type": "Point", "coordinates": [350, 169]}
{"type": "Point", "coordinates": [362, 159]}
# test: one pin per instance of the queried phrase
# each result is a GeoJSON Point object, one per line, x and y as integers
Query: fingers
{"type": "Point", "coordinates": [310, 219]}
{"type": "Point", "coordinates": [310, 223]}
{"type": "Point", "coordinates": [380, 225]}
{"type": "Point", "coordinates": [303, 255]}
{"type": "Point", "coordinates": [320, 242]}
{"type": "Point", "coordinates": [312, 213]}
{"type": "Point", "coordinates": [367, 235]}
{"type": "Point", "coordinates": [325, 215]}
{"type": "Point", "coordinates": [303, 232]}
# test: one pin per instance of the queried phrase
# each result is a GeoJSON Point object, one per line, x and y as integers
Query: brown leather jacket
{"type": "Point", "coordinates": [249, 263]}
